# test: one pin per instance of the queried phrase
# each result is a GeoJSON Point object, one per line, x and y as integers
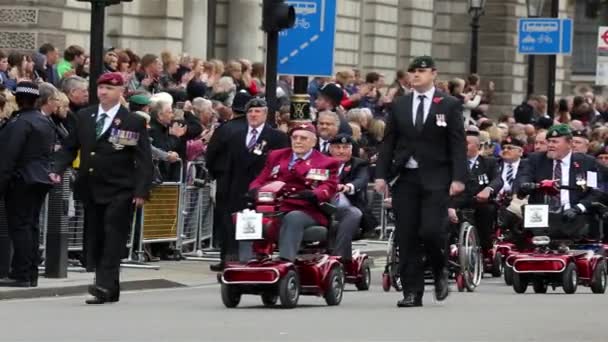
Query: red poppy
{"type": "Point", "coordinates": [437, 100]}
{"type": "Point", "coordinates": [576, 165]}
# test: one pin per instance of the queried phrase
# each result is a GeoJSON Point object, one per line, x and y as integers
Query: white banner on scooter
{"type": "Point", "coordinates": [249, 225]}
{"type": "Point", "coordinates": [536, 216]}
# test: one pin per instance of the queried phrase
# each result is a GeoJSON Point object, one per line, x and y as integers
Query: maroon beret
{"type": "Point", "coordinates": [305, 126]}
{"type": "Point", "coordinates": [111, 78]}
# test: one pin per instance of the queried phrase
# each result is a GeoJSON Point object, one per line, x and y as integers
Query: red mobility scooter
{"type": "Point", "coordinates": [558, 259]}
{"type": "Point", "coordinates": [314, 272]}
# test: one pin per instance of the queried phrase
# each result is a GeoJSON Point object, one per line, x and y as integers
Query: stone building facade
{"type": "Point", "coordinates": [380, 35]}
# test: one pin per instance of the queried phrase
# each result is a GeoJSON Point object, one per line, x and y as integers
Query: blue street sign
{"type": "Point", "coordinates": [544, 36]}
{"type": "Point", "coordinates": [307, 49]}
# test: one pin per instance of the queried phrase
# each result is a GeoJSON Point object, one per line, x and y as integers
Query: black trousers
{"type": "Point", "coordinates": [222, 221]}
{"type": "Point", "coordinates": [106, 233]}
{"type": "Point", "coordinates": [485, 216]}
{"type": "Point", "coordinates": [421, 224]}
{"type": "Point", "coordinates": [23, 203]}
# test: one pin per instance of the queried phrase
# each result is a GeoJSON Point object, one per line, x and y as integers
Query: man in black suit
{"type": "Point", "coordinates": [482, 183]}
{"type": "Point", "coordinates": [351, 197]}
{"type": "Point", "coordinates": [560, 162]}
{"type": "Point", "coordinates": [328, 123]}
{"type": "Point", "coordinates": [216, 159]}
{"type": "Point", "coordinates": [115, 176]}
{"type": "Point", "coordinates": [247, 154]}
{"type": "Point", "coordinates": [424, 146]}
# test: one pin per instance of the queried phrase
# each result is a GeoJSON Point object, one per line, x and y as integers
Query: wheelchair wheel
{"type": "Point", "coordinates": [508, 275]}
{"type": "Point", "coordinates": [570, 279]}
{"type": "Point", "coordinates": [470, 256]}
{"type": "Point", "coordinates": [231, 296]}
{"type": "Point", "coordinates": [598, 282]}
{"type": "Point", "coordinates": [335, 286]}
{"type": "Point", "coordinates": [289, 290]}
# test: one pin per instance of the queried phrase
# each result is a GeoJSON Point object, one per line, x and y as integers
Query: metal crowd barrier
{"type": "Point", "coordinates": [375, 202]}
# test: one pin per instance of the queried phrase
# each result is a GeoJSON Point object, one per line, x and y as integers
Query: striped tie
{"type": "Point", "coordinates": [510, 174]}
{"type": "Point", "coordinates": [253, 140]}
{"type": "Point", "coordinates": [100, 124]}
{"type": "Point", "coordinates": [555, 202]}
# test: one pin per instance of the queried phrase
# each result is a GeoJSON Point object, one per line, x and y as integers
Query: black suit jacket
{"type": "Point", "coordinates": [244, 165]}
{"type": "Point", "coordinates": [439, 151]}
{"type": "Point", "coordinates": [107, 171]}
{"type": "Point", "coordinates": [484, 173]}
{"type": "Point", "coordinates": [539, 167]}
{"type": "Point", "coordinates": [215, 157]}
{"type": "Point", "coordinates": [356, 172]}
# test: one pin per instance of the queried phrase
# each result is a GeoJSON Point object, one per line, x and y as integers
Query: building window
{"type": "Point", "coordinates": [584, 56]}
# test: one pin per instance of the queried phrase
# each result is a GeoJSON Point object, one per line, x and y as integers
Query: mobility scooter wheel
{"type": "Point", "coordinates": [508, 275]}
{"type": "Point", "coordinates": [231, 296]}
{"type": "Point", "coordinates": [386, 282]}
{"type": "Point", "coordinates": [366, 277]}
{"type": "Point", "coordinates": [539, 286]}
{"type": "Point", "coordinates": [520, 283]}
{"type": "Point", "coordinates": [269, 299]}
{"type": "Point", "coordinates": [289, 289]}
{"type": "Point", "coordinates": [497, 265]}
{"type": "Point", "coordinates": [335, 286]}
{"type": "Point", "coordinates": [598, 282]}
{"type": "Point", "coordinates": [470, 257]}
{"type": "Point", "coordinates": [570, 279]}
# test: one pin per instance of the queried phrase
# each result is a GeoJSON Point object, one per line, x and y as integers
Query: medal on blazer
{"type": "Point", "coordinates": [440, 120]}
{"type": "Point", "coordinates": [259, 148]}
{"type": "Point", "coordinates": [275, 171]}
{"type": "Point", "coordinates": [122, 137]}
{"type": "Point", "coordinates": [318, 174]}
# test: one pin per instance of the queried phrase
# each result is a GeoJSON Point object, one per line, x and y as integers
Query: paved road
{"type": "Point", "coordinates": [493, 313]}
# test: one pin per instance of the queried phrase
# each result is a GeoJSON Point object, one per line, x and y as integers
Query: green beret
{"type": "Point", "coordinates": [561, 130]}
{"type": "Point", "coordinates": [421, 62]}
{"type": "Point", "coordinates": [140, 99]}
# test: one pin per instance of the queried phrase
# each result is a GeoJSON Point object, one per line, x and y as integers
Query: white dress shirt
{"type": "Point", "coordinates": [412, 163]}
{"type": "Point", "coordinates": [111, 114]}
{"type": "Point", "coordinates": [323, 145]}
{"type": "Point", "coordinates": [257, 136]}
{"type": "Point", "coordinates": [506, 187]}
{"type": "Point", "coordinates": [564, 195]}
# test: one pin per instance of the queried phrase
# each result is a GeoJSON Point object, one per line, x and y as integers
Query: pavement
{"type": "Point", "coordinates": [194, 311]}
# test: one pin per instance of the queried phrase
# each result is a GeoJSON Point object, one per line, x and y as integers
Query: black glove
{"type": "Point", "coordinates": [527, 187]}
{"type": "Point", "coordinates": [308, 195]}
{"type": "Point", "coordinates": [570, 214]}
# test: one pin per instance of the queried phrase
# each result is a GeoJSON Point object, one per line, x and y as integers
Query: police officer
{"type": "Point", "coordinates": [424, 146]}
{"type": "Point", "coordinates": [28, 141]}
{"type": "Point", "coordinates": [115, 176]}
{"type": "Point", "coordinates": [307, 173]}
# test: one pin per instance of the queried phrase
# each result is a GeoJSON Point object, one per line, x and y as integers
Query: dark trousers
{"type": "Point", "coordinates": [223, 227]}
{"type": "Point", "coordinates": [485, 216]}
{"type": "Point", "coordinates": [23, 203]}
{"type": "Point", "coordinates": [421, 224]}
{"type": "Point", "coordinates": [107, 230]}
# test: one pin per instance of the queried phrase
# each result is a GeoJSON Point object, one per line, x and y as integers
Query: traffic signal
{"type": "Point", "coordinates": [277, 16]}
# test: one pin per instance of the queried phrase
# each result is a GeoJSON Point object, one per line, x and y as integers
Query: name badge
{"type": "Point", "coordinates": [122, 137]}
{"type": "Point", "coordinates": [318, 174]}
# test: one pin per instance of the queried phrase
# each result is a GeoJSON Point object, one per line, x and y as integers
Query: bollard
{"type": "Point", "coordinates": [56, 261]}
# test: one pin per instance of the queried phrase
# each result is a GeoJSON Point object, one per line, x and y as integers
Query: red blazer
{"type": "Point", "coordinates": [299, 178]}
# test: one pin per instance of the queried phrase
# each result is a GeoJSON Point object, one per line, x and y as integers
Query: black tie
{"type": "Point", "coordinates": [420, 113]}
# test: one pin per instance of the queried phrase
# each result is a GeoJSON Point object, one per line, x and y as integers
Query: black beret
{"type": "Point", "coordinates": [332, 91]}
{"type": "Point", "coordinates": [342, 139]}
{"type": "Point", "coordinates": [421, 62]}
{"type": "Point", "coordinates": [580, 134]}
{"type": "Point", "coordinates": [513, 141]}
{"type": "Point", "coordinates": [255, 102]}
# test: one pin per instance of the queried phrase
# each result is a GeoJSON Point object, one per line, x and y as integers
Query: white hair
{"type": "Point", "coordinates": [162, 97]}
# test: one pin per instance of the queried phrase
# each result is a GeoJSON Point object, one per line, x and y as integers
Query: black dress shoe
{"type": "Point", "coordinates": [410, 300]}
{"type": "Point", "coordinates": [219, 267]}
{"type": "Point", "coordinates": [441, 286]}
{"type": "Point", "coordinates": [97, 300]}
{"type": "Point", "coordinates": [8, 282]}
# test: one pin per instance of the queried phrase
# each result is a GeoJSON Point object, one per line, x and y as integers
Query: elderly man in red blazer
{"type": "Point", "coordinates": [307, 173]}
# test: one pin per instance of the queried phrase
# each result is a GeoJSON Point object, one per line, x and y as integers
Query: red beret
{"type": "Point", "coordinates": [111, 78]}
{"type": "Point", "coordinates": [305, 126]}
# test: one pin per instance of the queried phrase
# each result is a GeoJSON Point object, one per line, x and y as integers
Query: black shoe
{"type": "Point", "coordinates": [8, 282]}
{"type": "Point", "coordinates": [97, 300]}
{"type": "Point", "coordinates": [410, 300]}
{"type": "Point", "coordinates": [219, 267]}
{"type": "Point", "coordinates": [101, 295]}
{"type": "Point", "coordinates": [441, 286]}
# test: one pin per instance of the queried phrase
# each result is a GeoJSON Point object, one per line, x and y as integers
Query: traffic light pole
{"type": "Point", "coordinates": [98, 12]}
{"type": "Point", "coordinates": [272, 51]}
{"type": "Point", "coordinates": [552, 68]}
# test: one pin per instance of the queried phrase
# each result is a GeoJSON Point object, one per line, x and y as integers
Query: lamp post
{"type": "Point", "coordinates": [476, 8]}
{"type": "Point", "coordinates": [552, 68]}
{"type": "Point", "coordinates": [535, 10]}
